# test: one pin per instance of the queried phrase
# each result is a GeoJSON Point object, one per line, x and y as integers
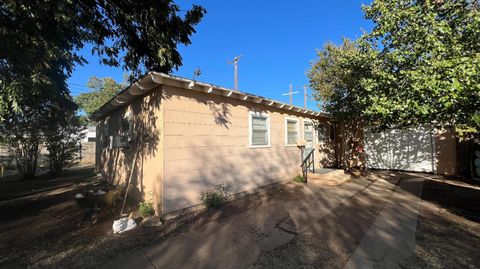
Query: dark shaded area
{"type": "Point", "coordinates": [448, 232]}
{"type": "Point", "coordinates": [460, 200]}
{"type": "Point", "coordinates": [13, 186]}
{"type": "Point", "coordinates": [141, 129]}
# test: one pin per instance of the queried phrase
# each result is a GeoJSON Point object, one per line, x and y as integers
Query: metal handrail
{"type": "Point", "coordinates": [308, 161]}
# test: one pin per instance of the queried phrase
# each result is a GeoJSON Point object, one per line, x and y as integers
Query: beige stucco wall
{"type": "Point", "coordinates": [145, 151]}
{"type": "Point", "coordinates": [207, 143]}
{"type": "Point", "coordinates": [187, 142]}
{"type": "Point", "coordinates": [446, 152]}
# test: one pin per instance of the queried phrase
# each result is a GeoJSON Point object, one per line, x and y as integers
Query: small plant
{"type": "Point", "coordinates": [299, 179]}
{"type": "Point", "coordinates": [215, 198]}
{"type": "Point", "coordinates": [146, 208]}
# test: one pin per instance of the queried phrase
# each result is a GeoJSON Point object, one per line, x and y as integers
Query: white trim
{"type": "Point", "coordinates": [155, 79]}
{"type": "Point", "coordinates": [262, 114]}
{"type": "Point", "coordinates": [286, 131]}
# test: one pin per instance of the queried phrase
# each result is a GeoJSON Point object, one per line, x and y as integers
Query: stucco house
{"type": "Point", "coordinates": [177, 137]}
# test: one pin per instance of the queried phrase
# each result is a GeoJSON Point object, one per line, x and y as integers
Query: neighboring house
{"type": "Point", "coordinates": [177, 137]}
{"type": "Point", "coordinates": [90, 133]}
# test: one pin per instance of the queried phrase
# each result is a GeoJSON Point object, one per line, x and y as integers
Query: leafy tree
{"type": "Point", "coordinates": [102, 90]}
{"type": "Point", "coordinates": [63, 142]}
{"type": "Point", "coordinates": [335, 77]}
{"type": "Point", "coordinates": [41, 40]}
{"type": "Point", "coordinates": [420, 64]}
{"type": "Point", "coordinates": [22, 135]}
{"type": "Point", "coordinates": [40, 47]}
{"type": "Point", "coordinates": [428, 67]}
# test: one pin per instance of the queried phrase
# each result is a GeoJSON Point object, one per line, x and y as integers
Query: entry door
{"type": "Point", "coordinates": [308, 136]}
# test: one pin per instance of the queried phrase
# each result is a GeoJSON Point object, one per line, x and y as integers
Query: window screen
{"type": "Point", "coordinates": [259, 130]}
{"type": "Point", "coordinates": [308, 132]}
{"type": "Point", "coordinates": [292, 133]}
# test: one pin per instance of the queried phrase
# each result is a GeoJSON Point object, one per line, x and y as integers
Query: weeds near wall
{"type": "Point", "coordinates": [146, 208]}
{"type": "Point", "coordinates": [216, 198]}
{"type": "Point", "coordinates": [299, 179]}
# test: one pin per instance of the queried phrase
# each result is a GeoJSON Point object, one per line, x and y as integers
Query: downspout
{"type": "Point", "coordinates": [434, 152]}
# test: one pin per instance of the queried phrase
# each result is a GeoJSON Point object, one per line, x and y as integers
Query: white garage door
{"type": "Point", "coordinates": [400, 149]}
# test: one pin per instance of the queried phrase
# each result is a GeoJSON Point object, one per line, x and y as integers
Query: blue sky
{"type": "Point", "coordinates": [277, 39]}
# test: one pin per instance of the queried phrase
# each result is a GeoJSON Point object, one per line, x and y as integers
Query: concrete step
{"type": "Point", "coordinates": [328, 176]}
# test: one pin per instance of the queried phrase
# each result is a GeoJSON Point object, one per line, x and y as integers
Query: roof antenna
{"type": "Point", "coordinates": [235, 64]}
{"type": "Point", "coordinates": [196, 73]}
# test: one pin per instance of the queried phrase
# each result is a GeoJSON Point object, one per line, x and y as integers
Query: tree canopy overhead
{"type": "Point", "coordinates": [39, 49]}
{"type": "Point", "coordinates": [419, 64]}
{"type": "Point", "coordinates": [41, 39]}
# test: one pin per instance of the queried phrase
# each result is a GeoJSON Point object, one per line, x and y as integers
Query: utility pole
{"type": "Point", "coordinates": [305, 96]}
{"type": "Point", "coordinates": [235, 66]}
{"type": "Point", "coordinates": [291, 93]}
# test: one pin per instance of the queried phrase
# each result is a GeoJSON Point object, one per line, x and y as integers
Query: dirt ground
{"type": "Point", "coordinates": [39, 226]}
{"type": "Point", "coordinates": [448, 232]}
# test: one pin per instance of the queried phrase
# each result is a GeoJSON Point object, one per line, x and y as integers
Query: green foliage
{"type": "Point", "coordinates": [216, 198]}
{"type": "Point", "coordinates": [420, 64]}
{"type": "Point", "coordinates": [22, 134]}
{"type": "Point", "coordinates": [40, 46]}
{"type": "Point", "coordinates": [41, 40]}
{"type": "Point", "coordinates": [102, 90]}
{"type": "Point", "coordinates": [63, 141]}
{"type": "Point", "coordinates": [146, 209]}
{"type": "Point", "coordinates": [299, 179]}
{"type": "Point", "coordinates": [430, 55]}
{"type": "Point", "coordinates": [336, 80]}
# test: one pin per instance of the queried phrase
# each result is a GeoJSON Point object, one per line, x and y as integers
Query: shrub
{"type": "Point", "coordinates": [299, 179]}
{"type": "Point", "coordinates": [214, 198]}
{"type": "Point", "coordinates": [146, 209]}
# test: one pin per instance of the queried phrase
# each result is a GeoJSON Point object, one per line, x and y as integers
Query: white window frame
{"type": "Point", "coordinates": [250, 130]}
{"type": "Point", "coordinates": [314, 130]}
{"type": "Point", "coordinates": [286, 131]}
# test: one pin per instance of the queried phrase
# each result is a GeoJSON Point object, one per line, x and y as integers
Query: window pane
{"type": "Point", "coordinates": [259, 123]}
{"type": "Point", "coordinates": [259, 131]}
{"type": "Point", "coordinates": [259, 138]}
{"type": "Point", "coordinates": [308, 133]}
{"type": "Point", "coordinates": [292, 135]}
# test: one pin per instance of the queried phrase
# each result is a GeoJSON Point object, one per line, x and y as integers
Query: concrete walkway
{"type": "Point", "coordinates": [390, 241]}
{"type": "Point", "coordinates": [320, 230]}
{"type": "Point", "coordinates": [236, 241]}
